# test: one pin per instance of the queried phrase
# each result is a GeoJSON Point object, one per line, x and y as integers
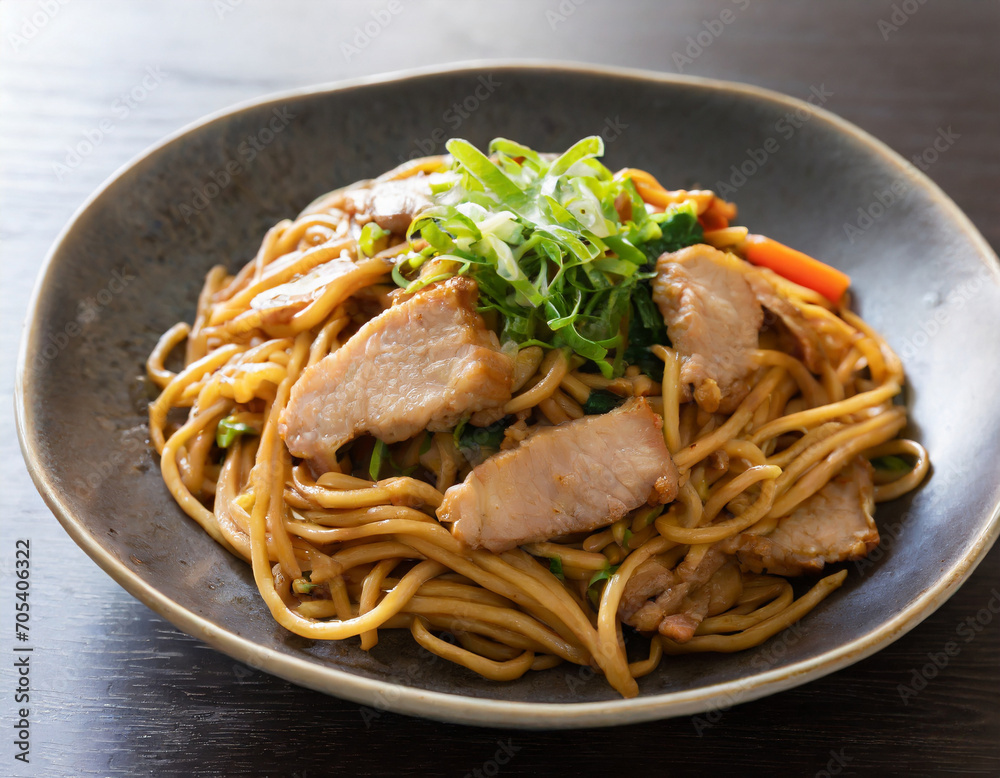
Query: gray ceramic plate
{"type": "Point", "coordinates": [131, 262]}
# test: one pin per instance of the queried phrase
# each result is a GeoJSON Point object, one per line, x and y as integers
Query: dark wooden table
{"type": "Point", "coordinates": [118, 691]}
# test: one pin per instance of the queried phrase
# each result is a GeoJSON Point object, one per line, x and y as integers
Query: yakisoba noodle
{"type": "Point", "coordinates": [337, 555]}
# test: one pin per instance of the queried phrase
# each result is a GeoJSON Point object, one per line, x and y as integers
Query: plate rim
{"type": "Point", "coordinates": [460, 708]}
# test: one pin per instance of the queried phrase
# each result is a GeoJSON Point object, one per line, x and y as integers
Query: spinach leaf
{"type": "Point", "coordinates": [892, 464]}
{"type": "Point", "coordinates": [477, 443]}
{"type": "Point", "coordinates": [601, 401]}
{"type": "Point", "coordinates": [645, 329]}
{"type": "Point", "coordinates": [679, 227]}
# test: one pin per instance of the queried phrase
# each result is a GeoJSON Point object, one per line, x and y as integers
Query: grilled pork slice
{"type": "Point", "coordinates": [675, 602]}
{"type": "Point", "coordinates": [805, 336]}
{"type": "Point", "coordinates": [280, 303]}
{"type": "Point", "coordinates": [422, 364]}
{"type": "Point", "coordinates": [712, 318]}
{"type": "Point", "coordinates": [392, 205]}
{"type": "Point", "coordinates": [574, 477]}
{"type": "Point", "coordinates": [834, 525]}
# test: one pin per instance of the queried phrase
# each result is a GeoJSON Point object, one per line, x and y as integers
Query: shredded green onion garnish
{"type": "Point", "coordinates": [371, 233]}
{"type": "Point", "coordinates": [301, 586]}
{"type": "Point", "coordinates": [304, 584]}
{"type": "Point", "coordinates": [602, 575]}
{"type": "Point", "coordinates": [229, 430]}
{"type": "Point", "coordinates": [549, 249]}
{"type": "Point", "coordinates": [378, 454]}
{"type": "Point", "coordinates": [594, 588]}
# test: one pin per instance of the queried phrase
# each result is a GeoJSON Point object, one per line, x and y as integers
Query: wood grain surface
{"type": "Point", "coordinates": [118, 691]}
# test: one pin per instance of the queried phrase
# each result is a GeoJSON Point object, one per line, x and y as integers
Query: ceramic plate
{"type": "Point", "coordinates": [131, 262]}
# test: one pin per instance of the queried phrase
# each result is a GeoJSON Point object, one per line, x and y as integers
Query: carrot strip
{"type": "Point", "coordinates": [654, 193]}
{"type": "Point", "coordinates": [713, 220]}
{"type": "Point", "coordinates": [717, 215]}
{"type": "Point", "coordinates": [796, 266]}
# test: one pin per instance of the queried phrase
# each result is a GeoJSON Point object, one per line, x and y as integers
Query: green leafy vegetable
{"type": "Point", "coordinates": [456, 436]}
{"type": "Point", "coordinates": [378, 455]}
{"type": "Point", "coordinates": [547, 246]}
{"type": "Point", "coordinates": [302, 585]}
{"type": "Point", "coordinates": [556, 568]}
{"type": "Point", "coordinates": [371, 233]}
{"type": "Point", "coordinates": [407, 471]}
{"type": "Point", "coordinates": [229, 430]}
{"type": "Point", "coordinates": [485, 437]}
{"type": "Point", "coordinates": [679, 228]}
{"type": "Point", "coordinates": [646, 328]}
{"type": "Point", "coordinates": [602, 575]}
{"type": "Point", "coordinates": [477, 443]}
{"type": "Point", "coordinates": [601, 401]}
{"type": "Point", "coordinates": [594, 588]}
{"type": "Point", "coordinates": [892, 464]}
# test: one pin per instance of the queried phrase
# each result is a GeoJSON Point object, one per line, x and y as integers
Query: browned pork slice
{"type": "Point", "coordinates": [805, 336]}
{"type": "Point", "coordinates": [390, 204]}
{"type": "Point", "coordinates": [280, 303]}
{"type": "Point", "coordinates": [674, 602]}
{"type": "Point", "coordinates": [422, 364]}
{"type": "Point", "coordinates": [712, 318]}
{"type": "Point", "coordinates": [573, 477]}
{"type": "Point", "coordinates": [834, 525]}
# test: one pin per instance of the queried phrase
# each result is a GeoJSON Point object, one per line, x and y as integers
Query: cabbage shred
{"type": "Point", "coordinates": [551, 255]}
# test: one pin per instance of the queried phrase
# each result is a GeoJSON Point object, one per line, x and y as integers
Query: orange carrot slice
{"type": "Point", "coordinates": [796, 266]}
